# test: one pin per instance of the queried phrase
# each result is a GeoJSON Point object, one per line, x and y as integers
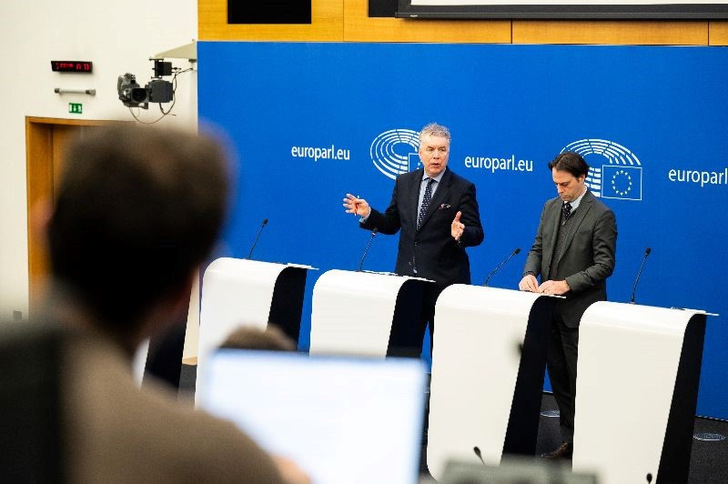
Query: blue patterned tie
{"type": "Point", "coordinates": [425, 202]}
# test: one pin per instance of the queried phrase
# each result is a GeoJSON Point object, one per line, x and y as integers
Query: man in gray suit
{"type": "Point", "coordinates": [574, 254]}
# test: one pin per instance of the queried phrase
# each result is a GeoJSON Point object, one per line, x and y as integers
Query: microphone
{"type": "Point", "coordinates": [366, 250]}
{"type": "Point", "coordinates": [642, 266]}
{"type": "Point", "coordinates": [516, 251]}
{"type": "Point", "coordinates": [260, 231]}
{"type": "Point", "coordinates": [476, 449]}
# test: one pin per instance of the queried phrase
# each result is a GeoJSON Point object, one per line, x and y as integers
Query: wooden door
{"type": "Point", "coordinates": [46, 139]}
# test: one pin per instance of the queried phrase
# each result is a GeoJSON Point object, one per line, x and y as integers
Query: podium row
{"type": "Point", "coordinates": [638, 367]}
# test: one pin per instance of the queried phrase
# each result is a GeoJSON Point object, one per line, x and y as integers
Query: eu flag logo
{"type": "Point", "coordinates": [622, 182]}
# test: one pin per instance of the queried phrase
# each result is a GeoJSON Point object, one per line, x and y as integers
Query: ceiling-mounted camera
{"type": "Point", "coordinates": [156, 90]}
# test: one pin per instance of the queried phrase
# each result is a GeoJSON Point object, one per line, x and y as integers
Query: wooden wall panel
{"type": "Point", "coordinates": [718, 33]}
{"type": "Point", "coordinates": [327, 24]}
{"type": "Point", "coordinates": [348, 21]}
{"type": "Point", "coordinates": [358, 27]}
{"type": "Point", "coordinates": [610, 32]}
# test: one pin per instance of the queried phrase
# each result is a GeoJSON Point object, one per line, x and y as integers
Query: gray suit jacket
{"type": "Point", "coordinates": [585, 261]}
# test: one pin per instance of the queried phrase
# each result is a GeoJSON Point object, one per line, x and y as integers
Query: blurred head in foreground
{"type": "Point", "coordinates": [138, 209]}
{"type": "Point", "coordinates": [271, 338]}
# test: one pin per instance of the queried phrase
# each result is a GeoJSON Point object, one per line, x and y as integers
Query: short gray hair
{"type": "Point", "coordinates": [434, 129]}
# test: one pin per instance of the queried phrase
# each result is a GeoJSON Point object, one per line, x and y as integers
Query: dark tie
{"type": "Point", "coordinates": [566, 211]}
{"type": "Point", "coordinates": [425, 202]}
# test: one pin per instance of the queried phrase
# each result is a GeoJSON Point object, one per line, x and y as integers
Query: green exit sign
{"type": "Point", "coordinates": [75, 108]}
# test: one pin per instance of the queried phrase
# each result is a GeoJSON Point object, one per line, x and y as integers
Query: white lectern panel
{"type": "Point", "coordinates": [352, 312]}
{"type": "Point", "coordinates": [235, 292]}
{"type": "Point", "coordinates": [479, 334]}
{"type": "Point", "coordinates": [629, 358]}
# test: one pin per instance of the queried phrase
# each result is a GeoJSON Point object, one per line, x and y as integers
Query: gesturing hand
{"type": "Point", "coordinates": [457, 228]}
{"type": "Point", "coordinates": [356, 205]}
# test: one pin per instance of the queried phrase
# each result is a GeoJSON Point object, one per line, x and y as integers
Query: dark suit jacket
{"type": "Point", "coordinates": [431, 249]}
{"type": "Point", "coordinates": [586, 260]}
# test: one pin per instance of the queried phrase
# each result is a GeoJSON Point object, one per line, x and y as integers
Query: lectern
{"type": "Point", "coordinates": [488, 362]}
{"type": "Point", "coordinates": [636, 391]}
{"type": "Point", "coordinates": [356, 312]}
{"type": "Point", "coordinates": [243, 292]}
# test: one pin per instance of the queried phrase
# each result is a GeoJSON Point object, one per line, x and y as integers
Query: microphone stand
{"type": "Point", "coordinates": [517, 251]}
{"type": "Point", "coordinates": [639, 273]}
{"type": "Point", "coordinates": [255, 242]}
{"type": "Point", "coordinates": [366, 250]}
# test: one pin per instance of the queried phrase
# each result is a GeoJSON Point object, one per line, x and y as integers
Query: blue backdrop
{"type": "Point", "coordinates": [311, 122]}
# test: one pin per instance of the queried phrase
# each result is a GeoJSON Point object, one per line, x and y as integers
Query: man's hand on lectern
{"type": "Point", "coordinates": [528, 283]}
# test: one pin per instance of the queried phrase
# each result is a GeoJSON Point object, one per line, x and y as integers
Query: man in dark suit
{"type": "Point", "coordinates": [437, 213]}
{"type": "Point", "coordinates": [574, 254]}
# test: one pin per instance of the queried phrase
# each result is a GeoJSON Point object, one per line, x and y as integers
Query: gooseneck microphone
{"type": "Point", "coordinates": [476, 449]}
{"type": "Point", "coordinates": [639, 273]}
{"type": "Point", "coordinates": [515, 252]}
{"type": "Point", "coordinates": [366, 250]}
{"type": "Point", "coordinates": [260, 231]}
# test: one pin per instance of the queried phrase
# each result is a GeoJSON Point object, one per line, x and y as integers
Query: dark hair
{"type": "Point", "coordinates": [137, 210]}
{"type": "Point", "coordinates": [570, 162]}
{"type": "Point", "coordinates": [272, 338]}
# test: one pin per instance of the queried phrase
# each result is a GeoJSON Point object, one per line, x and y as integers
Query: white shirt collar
{"type": "Point", "coordinates": [576, 202]}
{"type": "Point", "coordinates": [437, 178]}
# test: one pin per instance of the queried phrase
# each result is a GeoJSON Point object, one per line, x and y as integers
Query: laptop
{"type": "Point", "coordinates": [340, 418]}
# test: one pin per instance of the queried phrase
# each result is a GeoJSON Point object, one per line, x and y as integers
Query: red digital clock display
{"type": "Point", "coordinates": [72, 66]}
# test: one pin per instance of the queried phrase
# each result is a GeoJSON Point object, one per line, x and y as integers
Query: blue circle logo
{"type": "Point", "coordinates": [392, 150]}
{"type": "Point", "coordinates": [614, 171]}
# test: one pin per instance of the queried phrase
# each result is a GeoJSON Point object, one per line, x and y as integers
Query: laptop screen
{"type": "Point", "coordinates": [342, 419]}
